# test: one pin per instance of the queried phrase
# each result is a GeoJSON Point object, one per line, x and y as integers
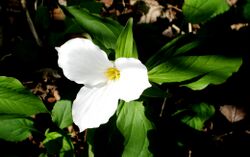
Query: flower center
{"type": "Point", "coordinates": [112, 73]}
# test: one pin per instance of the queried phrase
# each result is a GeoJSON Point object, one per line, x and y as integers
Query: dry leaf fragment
{"type": "Point", "coordinates": [107, 3]}
{"type": "Point", "coordinates": [58, 14]}
{"type": "Point", "coordinates": [233, 113]}
{"type": "Point", "coordinates": [152, 15]}
{"type": "Point", "coordinates": [238, 26]}
{"type": "Point", "coordinates": [232, 2]}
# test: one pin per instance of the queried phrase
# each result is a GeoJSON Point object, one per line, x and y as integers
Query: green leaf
{"type": "Point", "coordinates": [15, 128]}
{"type": "Point", "coordinates": [199, 11]}
{"type": "Point", "coordinates": [205, 70]}
{"type": "Point", "coordinates": [61, 113]}
{"type": "Point", "coordinates": [246, 10]}
{"type": "Point", "coordinates": [16, 99]}
{"type": "Point", "coordinates": [194, 122]}
{"type": "Point", "coordinates": [90, 151]}
{"type": "Point", "coordinates": [134, 126]}
{"type": "Point", "coordinates": [43, 155]}
{"type": "Point", "coordinates": [202, 112]}
{"type": "Point", "coordinates": [125, 45]}
{"type": "Point", "coordinates": [92, 5]}
{"type": "Point", "coordinates": [179, 45]}
{"type": "Point", "coordinates": [104, 30]}
{"type": "Point", "coordinates": [42, 17]}
{"type": "Point", "coordinates": [58, 144]}
{"type": "Point", "coordinates": [154, 92]}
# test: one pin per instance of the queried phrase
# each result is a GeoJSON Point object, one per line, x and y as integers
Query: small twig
{"type": "Point", "coordinates": [85, 136]}
{"type": "Point", "coordinates": [189, 153]}
{"type": "Point", "coordinates": [220, 137]}
{"type": "Point", "coordinates": [178, 30]}
{"type": "Point", "coordinates": [5, 56]}
{"type": "Point", "coordinates": [163, 106]}
{"type": "Point", "coordinates": [174, 7]}
{"type": "Point", "coordinates": [190, 29]}
{"type": "Point", "coordinates": [31, 24]}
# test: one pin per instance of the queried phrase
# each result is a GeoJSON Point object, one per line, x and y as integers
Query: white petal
{"type": "Point", "coordinates": [133, 78]}
{"type": "Point", "coordinates": [94, 106]}
{"type": "Point", "coordinates": [83, 62]}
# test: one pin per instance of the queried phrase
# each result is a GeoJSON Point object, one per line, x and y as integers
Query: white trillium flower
{"type": "Point", "coordinates": [105, 81]}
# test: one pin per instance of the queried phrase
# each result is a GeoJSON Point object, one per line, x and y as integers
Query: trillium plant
{"type": "Point", "coordinates": [143, 88]}
{"type": "Point", "coordinates": [105, 81]}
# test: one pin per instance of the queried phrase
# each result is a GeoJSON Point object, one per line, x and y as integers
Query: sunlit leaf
{"type": "Point", "coordinates": [200, 113]}
{"type": "Point", "coordinates": [194, 122]}
{"type": "Point", "coordinates": [15, 128]}
{"type": "Point", "coordinates": [211, 69]}
{"type": "Point", "coordinates": [58, 144]}
{"type": "Point", "coordinates": [233, 113]}
{"type": "Point", "coordinates": [125, 46]}
{"type": "Point", "coordinates": [203, 110]}
{"type": "Point", "coordinates": [90, 151]}
{"type": "Point", "coordinates": [104, 30]}
{"type": "Point", "coordinates": [43, 155]}
{"type": "Point", "coordinates": [199, 11]}
{"type": "Point", "coordinates": [179, 45]}
{"type": "Point", "coordinates": [16, 99]}
{"type": "Point", "coordinates": [61, 113]}
{"type": "Point", "coordinates": [134, 126]}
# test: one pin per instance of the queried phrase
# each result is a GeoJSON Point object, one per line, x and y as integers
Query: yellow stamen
{"type": "Point", "coordinates": [112, 73]}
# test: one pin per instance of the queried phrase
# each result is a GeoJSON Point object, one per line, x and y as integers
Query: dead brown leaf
{"type": "Point", "coordinates": [233, 113]}
{"type": "Point", "coordinates": [232, 2]}
{"type": "Point", "coordinates": [238, 26]}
